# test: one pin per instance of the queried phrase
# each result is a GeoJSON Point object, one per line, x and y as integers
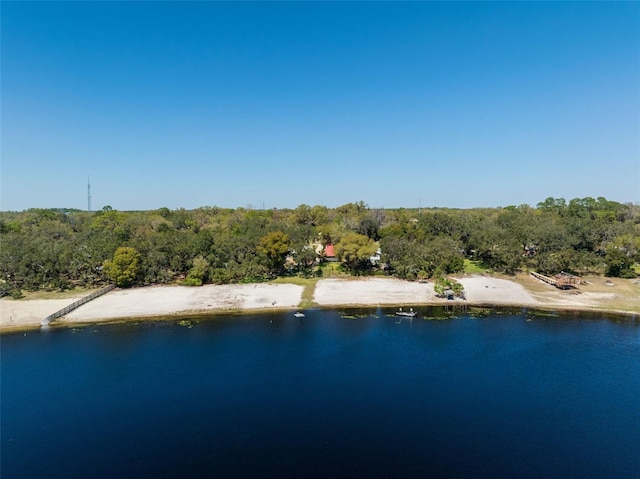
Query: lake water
{"type": "Point", "coordinates": [368, 395]}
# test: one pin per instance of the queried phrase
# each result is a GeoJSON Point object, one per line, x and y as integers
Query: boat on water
{"type": "Point", "coordinates": [298, 314]}
{"type": "Point", "coordinates": [411, 313]}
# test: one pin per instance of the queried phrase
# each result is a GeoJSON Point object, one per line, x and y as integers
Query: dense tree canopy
{"type": "Point", "coordinates": [124, 268]}
{"type": "Point", "coordinates": [275, 246]}
{"type": "Point", "coordinates": [59, 248]}
{"type": "Point", "coordinates": [355, 250]}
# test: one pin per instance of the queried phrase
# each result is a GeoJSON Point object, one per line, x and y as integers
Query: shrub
{"type": "Point", "coordinates": [443, 284]}
{"type": "Point", "coordinates": [191, 282]}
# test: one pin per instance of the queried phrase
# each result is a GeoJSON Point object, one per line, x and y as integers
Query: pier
{"type": "Point", "coordinates": [52, 317]}
{"type": "Point", "coordinates": [561, 281]}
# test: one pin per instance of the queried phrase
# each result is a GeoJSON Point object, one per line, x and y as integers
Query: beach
{"type": "Point", "coordinates": [173, 301]}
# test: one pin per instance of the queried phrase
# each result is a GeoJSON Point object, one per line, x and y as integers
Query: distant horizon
{"type": "Point", "coordinates": [266, 207]}
{"type": "Point", "coordinates": [259, 205]}
{"type": "Point", "coordinates": [459, 104]}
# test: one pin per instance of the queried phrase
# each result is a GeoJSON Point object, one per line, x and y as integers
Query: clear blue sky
{"type": "Point", "coordinates": [396, 104]}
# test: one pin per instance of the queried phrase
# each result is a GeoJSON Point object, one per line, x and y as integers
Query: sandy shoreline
{"type": "Point", "coordinates": [158, 301]}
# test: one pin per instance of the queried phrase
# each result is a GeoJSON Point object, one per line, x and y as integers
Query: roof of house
{"type": "Point", "coordinates": [329, 250]}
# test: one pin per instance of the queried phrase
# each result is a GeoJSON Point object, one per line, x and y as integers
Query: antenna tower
{"type": "Point", "coordinates": [88, 194]}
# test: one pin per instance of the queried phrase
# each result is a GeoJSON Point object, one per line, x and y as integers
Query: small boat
{"type": "Point", "coordinates": [298, 314]}
{"type": "Point", "coordinates": [410, 313]}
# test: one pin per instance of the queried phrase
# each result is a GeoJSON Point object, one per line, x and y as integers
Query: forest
{"type": "Point", "coordinates": [57, 249]}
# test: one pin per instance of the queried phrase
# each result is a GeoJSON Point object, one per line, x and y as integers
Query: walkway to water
{"type": "Point", "coordinates": [67, 309]}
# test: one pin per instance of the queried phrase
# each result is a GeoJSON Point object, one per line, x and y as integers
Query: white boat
{"type": "Point", "coordinates": [298, 314]}
{"type": "Point", "coordinates": [410, 313]}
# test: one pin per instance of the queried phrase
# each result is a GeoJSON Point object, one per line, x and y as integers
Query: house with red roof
{"type": "Point", "coordinates": [330, 252]}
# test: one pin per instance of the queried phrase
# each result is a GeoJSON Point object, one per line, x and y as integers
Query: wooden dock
{"type": "Point", "coordinates": [561, 281]}
{"type": "Point", "coordinates": [52, 317]}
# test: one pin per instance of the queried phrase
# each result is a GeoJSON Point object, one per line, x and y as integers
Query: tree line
{"type": "Point", "coordinates": [61, 248]}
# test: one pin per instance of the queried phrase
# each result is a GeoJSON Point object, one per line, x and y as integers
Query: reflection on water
{"type": "Point", "coordinates": [349, 393]}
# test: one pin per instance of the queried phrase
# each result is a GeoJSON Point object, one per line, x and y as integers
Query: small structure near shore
{"type": "Point", "coordinates": [567, 280]}
{"type": "Point", "coordinates": [561, 280]}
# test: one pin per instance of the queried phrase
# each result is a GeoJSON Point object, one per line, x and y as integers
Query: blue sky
{"type": "Point", "coordinates": [232, 104]}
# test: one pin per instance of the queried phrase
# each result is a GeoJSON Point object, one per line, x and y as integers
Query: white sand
{"type": "Point", "coordinates": [372, 291]}
{"type": "Point", "coordinates": [172, 300]}
{"type": "Point", "coordinates": [483, 289]}
{"type": "Point", "coordinates": [153, 301]}
{"type": "Point", "coordinates": [164, 300]}
{"type": "Point", "coordinates": [24, 313]}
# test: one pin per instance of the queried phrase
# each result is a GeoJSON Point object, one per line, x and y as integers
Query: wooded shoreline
{"type": "Point", "coordinates": [212, 259]}
{"type": "Point", "coordinates": [58, 249]}
{"type": "Point", "coordinates": [174, 302]}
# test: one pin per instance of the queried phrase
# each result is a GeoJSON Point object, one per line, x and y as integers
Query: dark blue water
{"type": "Point", "coordinates": [274, 396]}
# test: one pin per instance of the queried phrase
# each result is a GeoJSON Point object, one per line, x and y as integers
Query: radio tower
{"type": "Point", "coordinates": [88, 194]}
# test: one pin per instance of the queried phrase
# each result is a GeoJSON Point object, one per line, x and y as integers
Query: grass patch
{"type": "Point", "coordinates": [333, 270]}
{"type": "Point", "coordinates": [294, 280]}
{"type": "Point", "coordinates": [474, 267]}
{"type": "Point", "coordinates": [70, 293]}
{"type": "Point", "coordinates": [309, 285]}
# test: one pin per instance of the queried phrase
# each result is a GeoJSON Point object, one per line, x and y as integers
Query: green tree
{"type": "Point", "coordinates": [305, 257]}
{"type": "Point", "coordinates": [275, 246]}
{"type": "Point", "coordinates": [371, 223]}
{"type": "Point", "coordinates": [496, 248]}
{"type": "Point", "coordinates": [557, 261]}
{"type": "Point", "coordinates": [621, 255]}
{"type": "Point", "coordinates": [552, 205]}
{"type": "Point", "coordinates": [355, 250]}
{"type": "Point", "coordinates": [124, 268]}
{"type": "Point", "coordinates": [303, 215]}
{"type": "Point", "coordinates": [198, 272]}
